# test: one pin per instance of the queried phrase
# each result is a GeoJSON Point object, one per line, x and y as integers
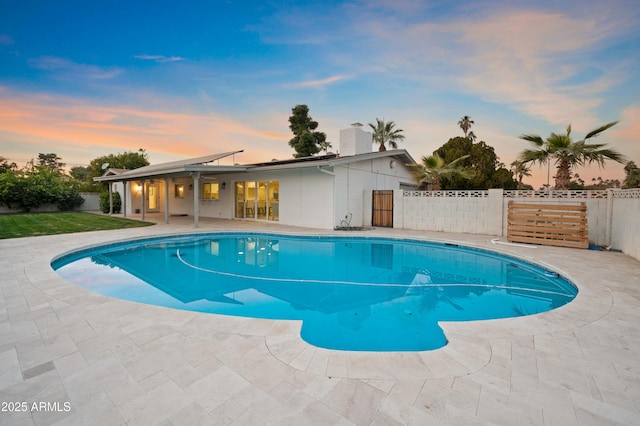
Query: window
{"type": "Point", "coordinates": [211, 191]}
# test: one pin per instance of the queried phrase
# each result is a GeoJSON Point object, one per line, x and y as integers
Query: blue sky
{"type": "Point", "coordinates": [85, 79]}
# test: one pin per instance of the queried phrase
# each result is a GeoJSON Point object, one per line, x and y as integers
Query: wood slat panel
{"type": "Point", "coordinates": [548, 224]}
{"type": "Point", "coordinates": [562, 207]}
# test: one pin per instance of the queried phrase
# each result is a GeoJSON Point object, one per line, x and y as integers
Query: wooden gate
{"type": "Point", "coordinates": [382, 209]}
{"type": "Point", "coordinates": [548, 224]}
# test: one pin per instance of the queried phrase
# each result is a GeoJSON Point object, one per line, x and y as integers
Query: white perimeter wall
{"type": "Point", "coordinates": [91, 203]}
{"type": "Point", "coordinates": [613, 216]}
{"type": "Point", "coordinates": [478, 213]}
{"type": "Point", "coordinates": [625, 222]}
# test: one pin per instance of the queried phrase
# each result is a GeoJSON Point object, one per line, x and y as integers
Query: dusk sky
{"type": "Point", "coordinates": [184, 79]}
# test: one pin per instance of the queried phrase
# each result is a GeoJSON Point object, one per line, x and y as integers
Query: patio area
{"type": "Point", "coordinates": [96, 360]}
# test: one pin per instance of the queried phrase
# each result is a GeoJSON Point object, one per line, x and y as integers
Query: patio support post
{"type": "Point", "coordinates": [142, 196]}
{"type": "Point", "coordinates": [110, 198]}
{"type": "Point", "coordinates": [124, 201]}
{"type": "Point", "coordinates": [166, 200]}
{"type": "Point", "coordinates": [196, 199]}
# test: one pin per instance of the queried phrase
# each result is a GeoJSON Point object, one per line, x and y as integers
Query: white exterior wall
{"type": "Point", "coordinates": [306, 196]}
{"type": "Point", "coordinates": [356, 181]}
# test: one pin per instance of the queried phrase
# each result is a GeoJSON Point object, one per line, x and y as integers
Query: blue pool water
{"type": "Point", "coordinates": [365, 294]}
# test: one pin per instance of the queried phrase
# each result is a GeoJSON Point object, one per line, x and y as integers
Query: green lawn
{"type": "Point", "coordinates": [32, 224]}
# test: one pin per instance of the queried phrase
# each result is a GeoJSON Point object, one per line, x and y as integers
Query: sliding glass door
{"type": "Point", "coordinates": [257, 200]}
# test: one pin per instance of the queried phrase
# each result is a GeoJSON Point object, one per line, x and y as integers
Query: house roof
{"type": "Point", "coordinates": [199, 164]}
{"type": "Point", "coordinates": [172, 168]}
{"type": "Point", "coordinates": [331, 160]}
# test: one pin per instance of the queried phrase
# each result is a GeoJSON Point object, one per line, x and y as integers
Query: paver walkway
{"type": "Point", "coordinates": [83, 358]}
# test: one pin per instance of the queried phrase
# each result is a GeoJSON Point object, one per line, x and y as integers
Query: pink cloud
{"type": "Point", "coordinates": [88, 129]}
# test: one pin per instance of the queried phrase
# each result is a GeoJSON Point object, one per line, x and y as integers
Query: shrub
{"type": "Point", "coordinates": [32, 188]}
{"type": "Point", "coordinates": [69, 199]}
{"type": "Point", "coordinates": [104, 202]}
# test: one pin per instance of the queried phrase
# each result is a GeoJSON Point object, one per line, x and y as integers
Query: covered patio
{"type": "Point", "coordinates": [144, 178]}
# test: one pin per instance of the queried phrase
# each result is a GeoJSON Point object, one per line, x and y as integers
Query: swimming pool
{"type": "Point", "coordinates": [351, 293]}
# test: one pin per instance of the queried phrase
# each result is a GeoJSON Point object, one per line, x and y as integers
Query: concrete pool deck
{"type": "Point", "coordinates": [76, 357]}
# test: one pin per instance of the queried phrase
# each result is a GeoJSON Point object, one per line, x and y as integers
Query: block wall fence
{"type": "Point", "coordinates": [613, 215]}
{"type": "Point", "coordinates": [91, 203]}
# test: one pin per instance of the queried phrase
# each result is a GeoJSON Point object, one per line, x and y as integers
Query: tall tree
{"type": "Point", "coordinates": [568, 154]}
{"type": "Point", "coordinates": [79, 173]}
{"type": "Point", "coordinates": [482, 159]}
{"type": "Point", "coordinates": [126, 160]}
{"type": "Point", "coordinates": [51, 161]}
{"type": "Point", "coordinates": [5, 166]}
{"type": "Point", "coordinates": [465, 124]}
{"type": "Point", "coordinates": [632, 175]}
{"type": "Point", "coordinates": [520, 169]}
{"type": "Point", "coordinates": [386, 133]}
{"type": "Point", "coordinates": [306, 141]}
{"type": "Point", "coordinates": [433, 168]}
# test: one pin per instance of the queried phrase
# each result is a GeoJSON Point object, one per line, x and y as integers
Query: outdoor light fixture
{"type": "Point", "coordinates": [179, 190]}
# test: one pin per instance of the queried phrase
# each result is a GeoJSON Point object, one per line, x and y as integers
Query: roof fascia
{"type": "Point", "coordinates": [170, 172]}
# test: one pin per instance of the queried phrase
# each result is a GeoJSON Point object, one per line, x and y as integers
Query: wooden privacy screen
{"type": "Point", "coordinates": [548, 224]}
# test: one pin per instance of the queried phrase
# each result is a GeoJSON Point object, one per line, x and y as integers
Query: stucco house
{"type": "Point", "coordinates": [323, 191]}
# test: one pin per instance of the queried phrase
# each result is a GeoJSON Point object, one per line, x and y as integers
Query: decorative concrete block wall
{"type": "Point", "coordinates": [450, 211]}
{"type": "Point", "coordinates": [613, 215]}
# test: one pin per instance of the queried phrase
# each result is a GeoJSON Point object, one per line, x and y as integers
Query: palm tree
{"type": "Point", "coordinates": [465, 124]}
{"type": "Point", "coordinates": [568, 154]}
{"type": "Point", "coordinates": [386, 132]}
{"type": "Point", "coordinates": [520, 169]}
{"type": "Point", "coordinates": [433, 169]}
